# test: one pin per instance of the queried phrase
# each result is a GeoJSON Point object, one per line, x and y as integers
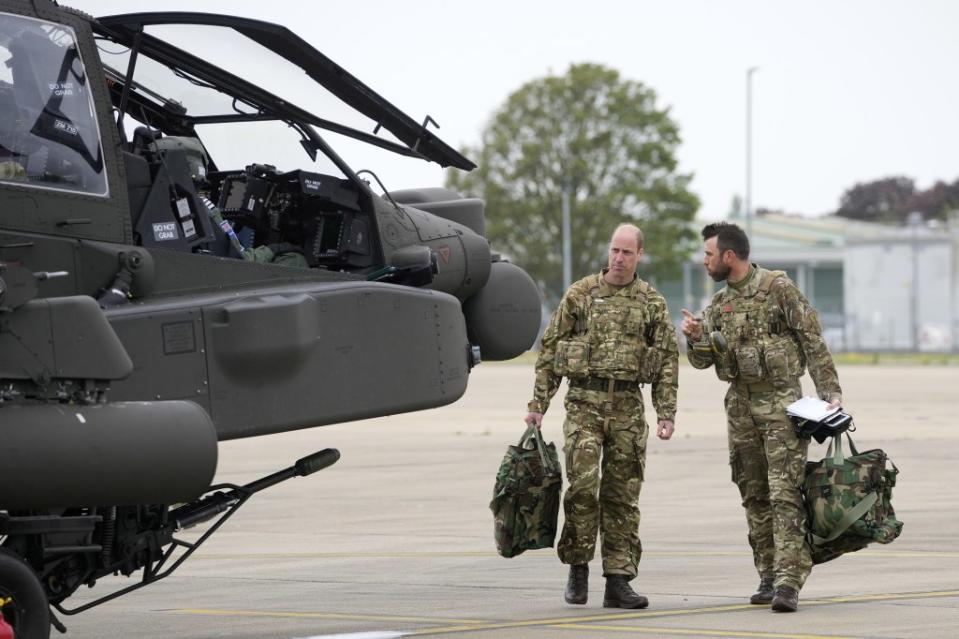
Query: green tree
{"type": "Point", "coordinates": [608, 141]}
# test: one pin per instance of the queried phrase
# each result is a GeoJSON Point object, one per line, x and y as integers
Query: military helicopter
{"type": "Point", "coordinates": [154, 302]}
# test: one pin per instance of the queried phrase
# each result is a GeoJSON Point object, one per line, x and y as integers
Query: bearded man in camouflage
{"type": "Point", "coordinates": [770, 333]}
{"type": "Point", "coordinates": [611, 334]}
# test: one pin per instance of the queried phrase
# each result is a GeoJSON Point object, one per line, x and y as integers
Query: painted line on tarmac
{"type": "Point", "coordinates": [585, 621]}
{"type": "Point", "coordinates": [453, 553]}
{"type": "Point", "coordinates": [464, 623]}
{"type": "Point", "coordinates": [911, 554]}
{"type": "Point", "coordinates": [581, 622]}
{"type": "Point", "coordinates": [569, 621]}
{"type": "Point", "coordinates": [387, 634]}
{"type": "Point", "coordinates": [760, 635]}
{"type": "Point", "coordinates": [699, 632]}
{"type": "Point", "coordinates": [885, 597]}
{"type": "Point", "coordinates": [361, 555]}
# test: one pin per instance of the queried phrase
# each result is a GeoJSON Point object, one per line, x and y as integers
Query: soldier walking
{"type": "Point", "coordinates": [770, 333]}
{"type": "Point", "coordinates": [610, 334]}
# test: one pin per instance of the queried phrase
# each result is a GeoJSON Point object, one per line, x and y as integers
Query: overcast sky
{"type": "Point", "coordinates": [845, 92]}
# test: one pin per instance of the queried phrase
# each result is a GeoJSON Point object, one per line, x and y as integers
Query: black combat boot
{"type": "Point", "coordinates": [577, 585]}
{"type": "Point", "coordinates": [764, 593]}
{"type": "Point", "coordinates": [786, 599]}
{"type": "Point", "coordinates": [620, 595]}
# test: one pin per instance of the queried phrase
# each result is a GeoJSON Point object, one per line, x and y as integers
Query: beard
{"type": "Point", "coordinates": [721, 273]}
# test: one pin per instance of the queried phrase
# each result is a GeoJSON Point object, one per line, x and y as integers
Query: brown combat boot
{"type": "Point", "coordinates": [764, 593]}
{"type": "Point", "coordinates": [619, 594]}
{"type": "Point", "coordinates": [786, 599]}
{"type": "Point", "coordinates": [577, 584]}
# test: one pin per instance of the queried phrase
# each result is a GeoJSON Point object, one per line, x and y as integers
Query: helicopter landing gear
{"type": "Point", "coordinates": [26, 609]}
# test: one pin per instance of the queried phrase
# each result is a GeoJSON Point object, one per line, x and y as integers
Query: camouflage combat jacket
{"type": "Point", "coordinates": [622, 333]}
{"type": "Point", "coordinates": [772, 334]}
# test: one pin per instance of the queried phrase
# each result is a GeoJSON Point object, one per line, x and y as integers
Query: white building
{"type": "Point", "coordinates": [876, 287]}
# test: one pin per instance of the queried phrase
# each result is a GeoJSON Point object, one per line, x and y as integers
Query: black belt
{"type": "Point", "coordinates": [602, 384]}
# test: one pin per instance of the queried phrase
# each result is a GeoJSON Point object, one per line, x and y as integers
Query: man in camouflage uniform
{"type": "Point", "coordinates": [610, 334]}
{"type": "Point", "coordinates": [770, 334]}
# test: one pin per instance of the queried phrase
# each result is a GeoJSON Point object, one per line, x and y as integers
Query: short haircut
{"type": "Point", "coordinates": [632, 227]}
{"type": "Point", "coordinates": [729, 237]}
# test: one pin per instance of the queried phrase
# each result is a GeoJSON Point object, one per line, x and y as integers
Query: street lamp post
{"type": "Point", "coordinates": [749, 149]}
{"type": "Point", "coordinates": [914, 220]}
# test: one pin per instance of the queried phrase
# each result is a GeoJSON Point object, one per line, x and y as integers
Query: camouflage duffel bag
{"type": "Point", "coordinates": [848, 500]}
{"type": "Point", "coordinates": [526, 496]}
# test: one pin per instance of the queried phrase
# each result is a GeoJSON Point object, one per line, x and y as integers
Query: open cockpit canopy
{"type": "Point", "coordinates": [192, 69]}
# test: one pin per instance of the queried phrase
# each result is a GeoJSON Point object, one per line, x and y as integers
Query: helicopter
{"type": "Point", "coordinates": [154, 302]}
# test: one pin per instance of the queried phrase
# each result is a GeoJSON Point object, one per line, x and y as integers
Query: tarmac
{"type": "Point", "coordinates": [396, 539]}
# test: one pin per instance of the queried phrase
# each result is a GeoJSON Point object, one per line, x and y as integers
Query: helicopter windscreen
{"type": "Point", "coordinates": [268, 66]}
{"type": "Point", "coordinates": [48, 132]}
{"type": "Point", "coordinates": [247, 134]}
{"type": "Point", "coordinates": [245, 58]}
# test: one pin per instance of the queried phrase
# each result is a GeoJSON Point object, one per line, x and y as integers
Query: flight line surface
{"type": "Point", "coordinates": [396, 539]}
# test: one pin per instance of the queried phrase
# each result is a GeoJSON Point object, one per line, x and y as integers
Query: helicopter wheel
{"type": "Point", "coordinates": [28, 611]}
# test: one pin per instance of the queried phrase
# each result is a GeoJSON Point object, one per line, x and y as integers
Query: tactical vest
{"type": "Point", "coordinates": [761, 347]}
{"type": "Point", "coordinates": [614, 338]}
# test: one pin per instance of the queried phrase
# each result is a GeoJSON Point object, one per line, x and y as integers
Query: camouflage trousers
{"type": "Point", "coordinates": [607, 500]}
{"type": "Point", "coordinates": [768, 464]}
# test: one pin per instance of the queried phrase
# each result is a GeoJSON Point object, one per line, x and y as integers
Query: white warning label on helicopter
{"type": "Point", "coordinates": [165, 231]}
{"type": "Point", "coordinates": [66, 127]}
{"type": "Point", "coordinates": [312, 185]}
{"type": "Point", "coordinates": [183, 208]}
{"type": "Point", "coordinates": [61, 89]}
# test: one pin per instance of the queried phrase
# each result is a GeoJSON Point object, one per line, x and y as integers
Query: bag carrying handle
{"type": "Point", "coordinates": [835, 448]}
{"type": "Point", "coordinates": [838, 458]}
{"type": "Point", "coordinates": [532, 435]}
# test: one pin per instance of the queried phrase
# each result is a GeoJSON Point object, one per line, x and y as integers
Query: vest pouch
{"type": "Point", "coordinates": [726, 369]}
{"type": "Point", "coordinates": [749, 362]}
{"type": "Point", "coordinates": [571, 358]}
{"type": "Point", "coordinates": [777, 362]}
{"type": "Point", "coordinates": [635, 321]}
{"type": "Point", "coordinates": [649, 366]}
{"type": "Point", "coordinates": [618, 356]}
{"type": "Point", "coordinates": [651, 357]}
{"type": "Point", "coordinates": [783, 361]}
